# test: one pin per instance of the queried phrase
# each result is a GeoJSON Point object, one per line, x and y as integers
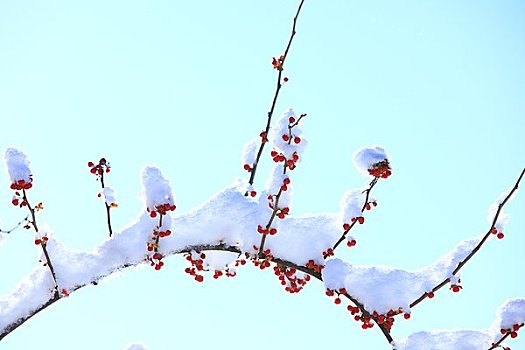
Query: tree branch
{"type": "Point", "coordinates": [275, 96]}
{"type": "Point", "coordinates": [478, 246]}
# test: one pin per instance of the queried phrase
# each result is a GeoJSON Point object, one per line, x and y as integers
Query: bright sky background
{"type": "Point", "coordinates": [184, 84]}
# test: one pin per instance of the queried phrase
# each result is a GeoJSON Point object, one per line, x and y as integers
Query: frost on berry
{"type": "Point", "coordinates": [17, 165]}
{"type": "Point", "coordinates": [372, 161]}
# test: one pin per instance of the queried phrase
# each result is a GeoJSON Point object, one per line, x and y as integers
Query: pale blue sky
{"type": "Point", "coordinates": [183, 85]}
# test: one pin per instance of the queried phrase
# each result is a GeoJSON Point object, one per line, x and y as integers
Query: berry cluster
{"type": "Point", "coordinates": [41, 241]}
{"type": "Point", "coordinates": [328, 253]}
{"type": "Point", "coordinates": [350, 241]}
{"type": "Point", "coordinates": [156, 260]}
{"type": "Point", "coordinates": [272, 200]}
{"type": "Point", "coordinates": [381, 169]}
{"type": "Point", "coordinates": [313, 266]}
{"type": "Point", "coordinates": [196, 260]}
{"type": "Point", "coordinates": [513, 332]}
{"type": "Point", "coordinates": [262, 263]}
{"type": "Point", "coordinates": [278, 63]}
{"type": "Point", "coordinates": [266, 230]}
{"type": "Point", "coordinates": [100, 168]}
{"type": "Point", "coordinates": [227, 272]}
{"type": "Point", "coordinates": [290, 279]}
{"type": "Point", "coordinates": [280, 157]}
{"type": "Point", "coordinates": [161, 209]}
{"type": "Point", "coordinates": [22, 185]}
{"type": "Point", "coordinates": [498, 234]}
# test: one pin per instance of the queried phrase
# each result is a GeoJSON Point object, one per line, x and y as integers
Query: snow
{"type": "Point", "coordinates": [109, 196]}
{"type": "Point", "coordinates": [157, 190]}
{"type": "Point", "coordinates": [249, 153]}
{"type": "Point", "coordinates": [351, 204]}
{"type": "Point", "coordinates": [510, 313]}
{"type": "Point", "coordinates": [17, 165]}
{"type": "Point", "coordinates": [229, 220]}
{"type": "Point", "coordinates": [384, 288]}
{"type": "Point", "coordinates": [503, 217]}
{"type": "Point", "coordinates": [364, 158]}
{"type": "Point", "coordinates": [136, 346]}
{"type": "Point", "coordinates": [446, 340]}
{"type": "Point", "coordinates": [280, 128]}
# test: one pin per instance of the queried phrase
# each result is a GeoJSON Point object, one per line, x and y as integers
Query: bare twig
{"type": "Point", "coordinates": [25, 220]}
{"type": "Point", "coordinates": [276, 95]}
{"type": "Point", "coordinates": [478, 246]}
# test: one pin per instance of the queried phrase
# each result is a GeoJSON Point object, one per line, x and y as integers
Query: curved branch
{"type": "Point", "coordinates": [478, 246]}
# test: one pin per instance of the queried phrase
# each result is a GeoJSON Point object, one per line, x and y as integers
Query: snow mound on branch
{"type": "Point", "coordinates": [384, 288]}
{"type": "Point", "coordinates": [503, 217]}
{"type": "Point", "coordinates": [351, 205]}
{"type": "Point", "coordinates": [136, 346]}
{"type": "Point", "coordinates": [364, 158]}
{"type": "Point", "coordinates": [280, 128]}
{"type": "Point", "coordinates": [510, 313]}
{"type": "Point", "coordinates": [249, 152]}
{"type": "Point", "coordinates": [157, 190]}
{"type": "Point", "coordinates": [446, 340]}
{"type": "Point", "coordinates": [109, 196]}
{"type": "Point", "coordinates": [17, 165]}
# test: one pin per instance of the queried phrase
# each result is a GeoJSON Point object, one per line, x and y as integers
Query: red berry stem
{"type": "Point", "coordinates": [99, 170]}
{"type": "Point", "coordinates": [282, 59]}
{"type": "Point", "coordinates": [478, 246]}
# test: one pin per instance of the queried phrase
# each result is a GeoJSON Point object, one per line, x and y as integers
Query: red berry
{"type": "Point", "coordinates": [503, 331]}
{"type": "Point", "coordinates": [455, 289]}
{"type": "Point", "coordinates": [93, 170]}
{"type": "Point", "coordinates": [247, 167]}
{"type": "Point", "coordinates": [500, 235]}
{"type": "Point", "coordinates": [285, 79]}
{"type": "Point", "coordinates": [513, 334]}
{"type": "Point", "coordinates": [90, 164]}
{"type": "Point", "coordinates": [15, 201]}
{"type": "Point", "coordinates": [37, 241]}
{"type": "Point", "coordinates": [337, 301]}
{"type": "Point", "coordinates": [297, 139]}
{"type": "Point", "coordinates": [107, 170]}
{"type": "Point", "coordinates": [406, 316]}
{"type": "Point", "coordinates": [346, 227]}
{"type": "Point", "coordinates": [152, 214]}
{"type": "Point", "coordinates": [286, 137]}
{"type": "Point", "coordinates": [361, 219]}
{"type": "Point", "coordinates": [430, 295]}
{"type": "Point", "coordinates": [253, 193]}
{"type": "Point", "coordinates": [516, 327]}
